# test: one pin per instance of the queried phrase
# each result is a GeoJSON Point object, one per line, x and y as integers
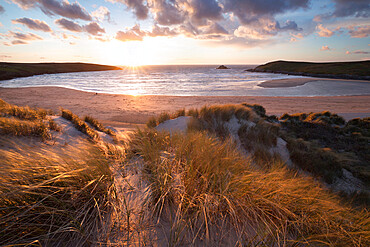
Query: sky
{"type": "Point", "coordinates": [151, 32]}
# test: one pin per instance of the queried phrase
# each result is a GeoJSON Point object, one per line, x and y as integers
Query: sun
{"type": "Point", "coordinates": [133, 53]}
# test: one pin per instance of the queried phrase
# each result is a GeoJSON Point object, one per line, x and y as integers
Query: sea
{"type": "Point", "coordinates": [187, 80]}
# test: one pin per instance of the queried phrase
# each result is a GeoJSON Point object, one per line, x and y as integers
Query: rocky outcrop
{"type": "Point", "coordinates": [222, 67]}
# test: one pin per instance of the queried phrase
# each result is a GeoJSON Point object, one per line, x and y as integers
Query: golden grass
{"type": "Point", "coordinates": [80, 125]}
{"type": "Point", "coordinates": [53, 199]}
{"type": "Point", "coordinates": [98, 126]}
{"type": "Point", "coordinates": [16, 127]}
{"type": "Point", "coordinates": [202, 190]}
{"type": "Point", "coordinates": [212, 194]}
{"type": "Point", "coordinates": [24, 113]}
{"type": "Point", "coordinates": [324, 118]}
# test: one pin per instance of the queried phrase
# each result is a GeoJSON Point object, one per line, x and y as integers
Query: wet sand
{"type": "Point", "coordinates": [126, 111]}
{"type": "Point", "coordinates": [299, 82]}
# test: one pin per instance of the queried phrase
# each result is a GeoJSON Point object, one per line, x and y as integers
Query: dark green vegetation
{"type": "Point", "coordinates": [324, 143]}
{"type": "Point", "coordinates": [14, 70]}
{"type": "Point", "coordinates": [345, 70]}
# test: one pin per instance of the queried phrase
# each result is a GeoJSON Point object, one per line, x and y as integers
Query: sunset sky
{"type": "Point", "coordinates": [139, 32]}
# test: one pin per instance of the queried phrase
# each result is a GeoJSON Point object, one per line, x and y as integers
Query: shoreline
{"type": "Point", "coordinates": [127, 111]}
{"type": "Point", "coordinates": [294, 82]}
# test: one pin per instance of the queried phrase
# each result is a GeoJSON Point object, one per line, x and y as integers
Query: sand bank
{"type": "Point", "coordinates": [127, 111]}
{"type": "Point", "coordinates": [299, 82]}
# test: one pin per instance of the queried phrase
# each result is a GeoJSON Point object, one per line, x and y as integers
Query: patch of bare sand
{"type": "Point", "coordinates": [129, 112]}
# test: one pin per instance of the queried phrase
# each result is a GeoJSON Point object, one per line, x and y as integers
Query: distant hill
{"type": "Point", "coordinates": [345, 70]}
{"type": "Point", "coordinates": [14, 70]}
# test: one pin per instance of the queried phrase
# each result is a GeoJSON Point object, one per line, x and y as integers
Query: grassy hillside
{"type": "Point", "coordinates": [351, 70]}
{"type": "Point", "coordinates": [223, 182]}
{"type": "Point", "coordinates": [14, 70]}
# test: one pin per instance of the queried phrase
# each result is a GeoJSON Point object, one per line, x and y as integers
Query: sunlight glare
{"type": "Point", "coordinates": [133, 53]}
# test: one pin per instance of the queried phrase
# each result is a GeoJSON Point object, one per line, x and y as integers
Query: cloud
{"type": "Point", "coordinates": [289, 25]}
{"type": "Point", "coordinates": [346, 8]}
{"type": "Point", "coordinates": [101, 14]}
{"type": "Point", "coordinates": [296, 37]}
{"type": "Point", "coordinates": [250, 19]}
{"type": "Point", "coordinates": [102, 39]}
{"type": "Point", "coordinates": [325, 48]}
{"type": "Point", "coordinates": [202, 10]}
{"type": "Point", "coordinates": [133, 34]}
{"type": "Point", "coordinates": [167, 12]}
{"type": "Point", "coordinates": [215, 28]}
{"type": "Point", "coordinates": [264, 29]}
{"type": "Point", "coordinates": [240, 42]}
{"type": "Point", "coordinates": [20, 38]}
{"type": "Point", "coordinates": [356, 8]}
{"type": "Point", "coordinates": [54, 7]}
{"type": "Point", "coordinates": [33, 24]}
{"type": "Point", "coordinates": [93, 28]}
{"type": "Point", "coordinates": [5, 57]}
{"type": "Point", "coordinates": [324, 32]}
{"type": "Point", "coordinates": [2, 10]}
{"type": "Point", "coordinates": [25, 36]}
{"type": "Point", "coordinates": [68, 36]}
{"type": "Point", "coordinates": [162, 31]}
{"type": "Point", "coordinates": [357, 52]}
{"type": "Point", "coordinates": [69, 25]}
{"type": "Point", "coordinates": [19, 42]}
{"type": "Point", "coordinates": [138, 6]}
{"type": "Point", "coordinates": [359, 31]}
{"type": "Point", "coordinates": [136, 34]}
{"type": "Point", "coordinates": [249, 11]}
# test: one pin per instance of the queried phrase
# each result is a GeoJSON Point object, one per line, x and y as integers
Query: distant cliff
{"type": "Point", "coordinates": [14, 70]}
{"type": "Point", "coordinates": [342, 70]}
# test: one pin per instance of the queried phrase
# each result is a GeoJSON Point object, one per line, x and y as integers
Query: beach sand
{"type": "Point", "coordinates": [299, 82]}
{"type": "Point", "coordinates": [126, 111]}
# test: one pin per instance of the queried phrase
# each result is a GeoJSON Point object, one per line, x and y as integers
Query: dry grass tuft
{"type": "Point", "coordinates": [51, 199]}
{"type": "Point", "coordinates": [23, 113]}
{"type": "Point", "coordinates": [80, 125]}
{"type": "Point", "coordinates": [54, 126]}
{"type": "Point", "coordinates": [98, 126]}
{"type": "Point", "coordinates": [212, 195]}
{"type": "Point", "coordinates": [16, 127]}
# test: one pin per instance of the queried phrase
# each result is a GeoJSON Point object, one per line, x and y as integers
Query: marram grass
{"type": "Point", "coordinates": [218, 196]}
{"type": "Point", "coordinates": [54, 199]}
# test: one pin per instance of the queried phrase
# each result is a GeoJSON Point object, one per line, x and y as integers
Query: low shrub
{"type": "Point", "coordinates": [262, 133]}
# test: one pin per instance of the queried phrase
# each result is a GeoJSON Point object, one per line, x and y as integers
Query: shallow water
{"type": "Point", "coordinates": [189, 80]}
